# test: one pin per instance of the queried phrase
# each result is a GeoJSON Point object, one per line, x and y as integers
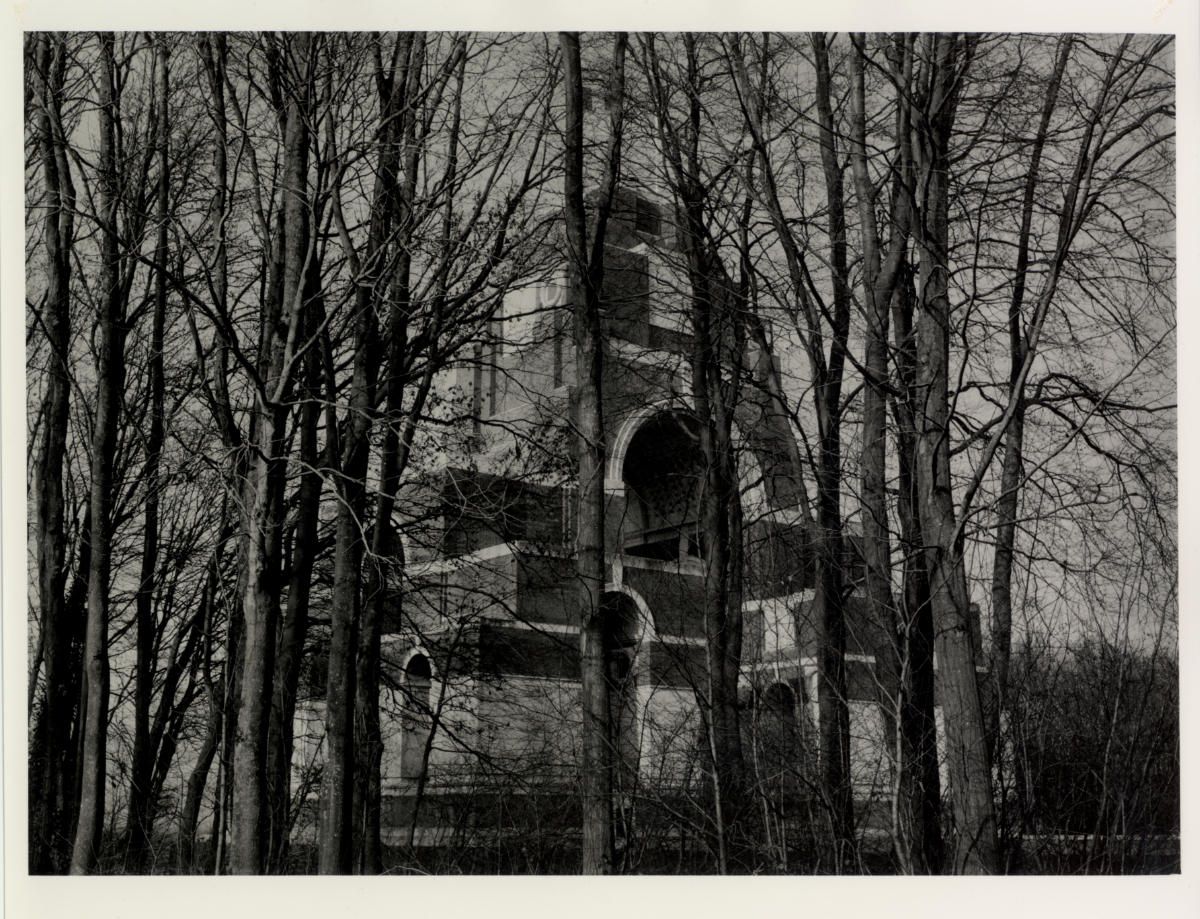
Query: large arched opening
{"type": "Point", "coordinates": [656, 464]}
{"type": "Point", "coordinates": [661, 473]}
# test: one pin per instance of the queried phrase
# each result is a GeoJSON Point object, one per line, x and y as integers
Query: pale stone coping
{"type": "Point", "coordinates": [804, 662]}
{"type": "Point", "coordinates": [800, 596]}
{"type": "Point", "coordinates": [671, 566]}
{"type": "Point", "coordinates": [486, 554]}
{"type": "Point", "coordinates": [516, 679]}
{"type": "Point", "coordinates": [561, 628]}
{"type": "Point", "coordinates": [525, 547]}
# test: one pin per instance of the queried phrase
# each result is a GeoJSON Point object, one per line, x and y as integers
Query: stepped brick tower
{"type": "Point", "coordinates": [482, 652]}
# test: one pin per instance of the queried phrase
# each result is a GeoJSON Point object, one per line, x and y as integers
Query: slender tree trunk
{"type": "Point", "coordinates": [395, 202]}
{"type": "Point", "coordinates": [260, 606]}
{"type": "Point", "coordinates": [67, 729]}
{"type": "Point", "coordinates": [140, 804]}
{"type": "Point", "coordinates": [248, 821]}
{"type": "Point", "coordinates": [336, 834]}
{"type": "Point", "coordinates": [1012, 469]}
{"type": "Point", "coordinates": [197, 780]}
{"type": "Point", "coordinates": [883, 277]}
{"type": "Point", "coordinates": [921, 774]}
{"type": "Point", "coordinates": [920, 778]}
{"type": "Point", "coordinates": [918, 834]}
{"type": "Point", "coordinates": [294, 629]}
{"type": "Point", "coordinates": [718, 330]}
{"type": "Point", "coordinates": [714, 352]}
{"type": "Point", "coordinates": [50, 773]}
{"type": "Point", "coordinates": [368, 794]}
{"type": "Point", "coordinates": [181, 666]}
{"type": "Point", "coordinates": [230, 696]}
{"type": "Point", "coordinates": [226, 694]}
{"type": "Point", "coordinates": [189, 818]}
{"type": "Point", "coordinates": [584, 280]}
{"type": "Point", "coordinates": [110, 377]}
{"type": "Point", "coordinates": [354, 648]}
{"type": "Point", "coordinates": [834, 714]}
{"type": "Point", "coordinates": [967, 741]}
{"type": "Point", "coordinates": [825, 540]}
{"type": "Point", "coordinates": [720, 522]}
{"type": "Point", "coordinates": [967, 761]}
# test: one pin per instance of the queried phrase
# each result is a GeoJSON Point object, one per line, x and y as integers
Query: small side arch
{"type": "Point", "coordinates": [648, 631]}
{"type": "Point", "coordinates": [418, 651]}
{"type": "Point", "coordinates": [417, 719]}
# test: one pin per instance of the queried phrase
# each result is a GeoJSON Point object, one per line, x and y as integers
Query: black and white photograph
{"type": "Point", "coordinates": [596, 452]}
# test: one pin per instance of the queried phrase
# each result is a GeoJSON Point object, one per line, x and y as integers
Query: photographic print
{"type": "Point", "coordinates": [628, 452]}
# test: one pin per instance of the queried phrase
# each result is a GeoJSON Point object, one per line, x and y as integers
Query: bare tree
{"type": "Point", "coordinates": [281, 345]}
{"type": "Point", "coordinates": [945, 59]}
{"type": "Point", "coordinates": [585, 272]}
{"type": "Point", "coordinates": [110, 376]}
{"type": "Point", "coordinates": [815, 322]}
{"type": "Point", "coordinates": [51, 773]}
{"type": "Point", "coordinates": [140, 801]}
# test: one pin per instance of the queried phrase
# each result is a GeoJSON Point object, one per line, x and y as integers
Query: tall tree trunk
{"type": "Point", "coordinates": [50, 773]}
{"type": "Point", "coordinates": [248, 818]}
{"type": "Point", "coordinates": [197, 780]}
{"type": "Point", "coordinates": [834, 714]}
{"type": "Point", "coordinates": [395, 193]}
{"type": "Point", "coordinates": [585, 276]}
{"type": "Point", "coordinates": [360, 652]}
{"type": "Point", "coordinates": [718, 329]}
{"type": "Point", "coordinates": [182, 660]}
{"type": "Point", "coordinates": [68, 729]}
{"type": "Point", "coordinates": [226, 694]}
{"type": "Point", "coordinates": [294, 629]}
{"type": "Point", "coordinates": [920, 794]}
{"type": "Point", "coordinates": [883, 274]}
{"type": "Point", "coordinates": [336, 835]}
{"type": "Point", "coordinates": [721, 523]}
{"type": "Point", "coordinates": [230, 697]}
{"type": "Point", "coordinates": [110, 378]}
{"type": "Point", "coordinates": [140, 804]}
{"type": "Point", "coordinates": [711, 357]}
{"type": "Point", "coordinates": [967, 761]}
{"type": "Point", "coordinates": [1012, 468]}
{"type": "Point", "coordinates": [825, 540]}
{"type": "Point", "coordinates": [260, 605]}
{"type": "Point", "coordinates": [967, 740]}
{"type": "Point", "coordinates": [876, 533]}
{"type": "Point", "coordinates": [917, 815]}
{"type": "Point", "coordinates": [189, 818]}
